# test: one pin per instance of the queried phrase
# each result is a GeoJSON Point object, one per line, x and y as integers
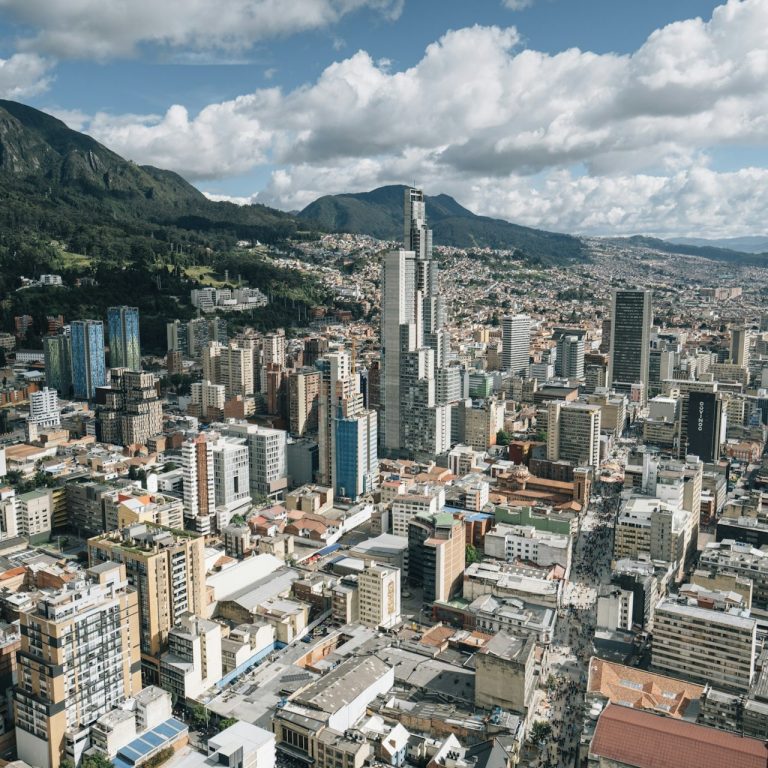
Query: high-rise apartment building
{"type": "Point", "coordinates": [231, 476]}
{"type": "Point", "coordinates": [207, 399]}
{"type": "Point", "coordinates": [631, 321]}
{"type": "Point", "coordinates": [231, 366]}
{"type": "Point", "coordinates": [515, 343]}
{"type": "Point", "coordinates": [303, 401]}
{"type": "Point", "coordinates": [199, 485]}
{"type": "Point", "coordinates": [573, 433]}
{"type": "Point", "coordinates": [57, 351]}
{"type": "Point", "coordinates": [88, 366]}
{"type": "Point", "coordinates": [79, 659]}
{"type": "Point", "coordinates": [267, 455]}
{"type": "Point", "coordinates": [44, 412]}
{"type": "Point", "coordinates": [129, 411]}
{"type": "Point", "coordinates": [124, 343]}
{"type": "Point", "coordinates": [167, 570]}
{"type": "Point", "coordinates": [414, 342]}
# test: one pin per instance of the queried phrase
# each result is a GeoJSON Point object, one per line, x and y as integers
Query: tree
{"type": "Point", "coordinates": [503, 438]}
{"type": "Point", "coordinates": [96, 761]}
{"type": "Point", "coordinates": [470, 554]}
{"type": "Point", "coordinates": [227, 722]}
{"type": "Point", "coordinates": [540, 731]}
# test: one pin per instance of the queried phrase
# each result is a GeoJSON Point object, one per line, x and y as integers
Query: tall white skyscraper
{"type": "Point", "coordinates": [515, 343]}
{"type": "Point", "coordinates": [414, 342]}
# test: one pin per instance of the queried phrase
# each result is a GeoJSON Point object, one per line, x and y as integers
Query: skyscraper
{"type": "Point", "coordinates": [414, 343]}
{"type": "Point", "coordinates": [88, 365]}
{"type": "Point", "coordinates": [569, 362]}
{"type": "Point", "coordinates": [356, 457]}
{"type": "Point", "coordinates": [58, 363]}
{"type": "Point", "coordinates": [515, 343]}
{"type": "Point", "coordinates": [631, 319]}
{"type": "Point", "coordinates": [740, 345]}
{"type": "Point", "coordinates": [124, 344]}
{"type": "Point", "coordinates": [199, 487]}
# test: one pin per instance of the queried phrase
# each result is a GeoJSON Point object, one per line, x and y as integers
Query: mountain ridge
{"type": "Point", "coordinates": [379, 213]}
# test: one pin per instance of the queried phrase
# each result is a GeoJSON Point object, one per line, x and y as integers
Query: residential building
{"type": "Point", "coordinates": [569, 363]}
{"type": "Point", "coordinates": [44, 413]}
{"type": "Point", "coordinates": [124, 343]}
{"type": "Point", "coordinates": [199, 484]}
{"type": "Point", "coordinates": [193, 662]}
{"type": "Point", "coordinates": [79, 658]}
{"type": "Point", "coordinates": [34, 511]}
{"type": "Point", "coordinates": [267, 455]}
{"type": "Point", "coordinates": [303, 401]}
{"type": "Point", "coordinates": [129, 411]}
{"type": "Point", "coordinates": [57, 351]}
{"type": "Point", "coordinates": [704, 645]}
{"type": "Point", "coordinates": [88, 365]}
{"type": "Point", "coordinates": [167, 570]}
{"type": "Point", "coordinates": [231, 477]}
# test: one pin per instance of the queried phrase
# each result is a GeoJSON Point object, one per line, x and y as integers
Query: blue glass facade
{"type": "Point", "coordinates": [88, 366]}
{"type": "Point", "coordinates": [356, 455]}
{"type": "Point", "coordinates": [124, 342]}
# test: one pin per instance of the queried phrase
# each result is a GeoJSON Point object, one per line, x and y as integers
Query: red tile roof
{"type": "Point", "coordinates": [644, 740]}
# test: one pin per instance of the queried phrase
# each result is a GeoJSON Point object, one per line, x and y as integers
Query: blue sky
{"type": "Point", "coordinates": [591, 116]}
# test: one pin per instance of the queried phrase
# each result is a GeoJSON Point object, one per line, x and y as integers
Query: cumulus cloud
{"type": "Point", "coordinates": [574, 140]}
{"type": "Point", "coordinates": [104, 29]}
{"type": "Point", "coordinates": [24, 75]}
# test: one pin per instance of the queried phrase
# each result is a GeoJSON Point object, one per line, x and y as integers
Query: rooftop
{"type": "Point", "coordinates": [632, 737]}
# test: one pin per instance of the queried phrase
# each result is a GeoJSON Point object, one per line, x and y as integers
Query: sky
{"type": "Point", "coordinates": [596, 117]}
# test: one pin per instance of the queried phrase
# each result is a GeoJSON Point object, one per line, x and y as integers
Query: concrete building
{"type": "Point", "coordinates": [436, 555]}
{"type": "Point", "coordinates": [414, 343]}
{"type": "Point", "coordinates": [231, 477]}
{"type": "Point", "coordinates": [168, 572]}
{"type": "Point", "coordinates": [379, 596]}
{"type": "Point", "coordinates": [79, 658]}
{"type": "Point", "coordinates": [267, 456]}
{"type": "Point", "coordinates": [192, 663]}
{"type": "Point", "coordinates": [208, 399]}
{"type": "Point", "coordinates": [631, 321]}
{"type": "Point", "coordinates": [303, 401]}
{"type": "Point", "coordinates": [199, 484]}
{"type": "Point", "coordinates": [573, 433]}
{"type": "Point", "coordinates": [44, 413]}
{"type": "Point", "coordinates": [735, 558]}
{"type": "Point", "coordinates": [525, 542]}
{"type": "Point", "coordinates": [515, 343]}
{"type": "Point", "coordinates": [504, 673]}
{"type": "Point", "coordinates": [569, 363]}
{"type": "Point", "coordinates": [231, 366]}
{"type": "Point", "coordinates": [355, 450]}
{"type": "Point", "coordinates": [34, 512]}
{"type": "Point", "coordinates": [129, 411]}
{"type": "Point", "coordinates": [703, 645]}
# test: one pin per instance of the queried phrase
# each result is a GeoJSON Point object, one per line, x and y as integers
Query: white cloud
{"type": "Point", "coordinates": [516, 5]}
{"type": "Point", "coordinates": [104, 29]}
{"type": "Point", "coordinates": [24, 75]}
{"type": "Point", "coordinates": [574, 140]}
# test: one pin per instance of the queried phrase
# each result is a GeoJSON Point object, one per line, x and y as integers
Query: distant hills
{"type": "Point", "coordinates": [749, 244]}
{"type": "Point", "coordinates": [702, 251]}
{"type": "Point", "coordinates": [379, 213]}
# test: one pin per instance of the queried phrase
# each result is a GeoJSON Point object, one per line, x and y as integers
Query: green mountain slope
{"type": "Point", "coordinates": [380, 213]}
{"type": "Point", "coordinates": [702, 251]}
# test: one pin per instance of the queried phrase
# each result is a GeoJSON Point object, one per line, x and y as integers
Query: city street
{"type": "Point", "coordinates": [561, 704]}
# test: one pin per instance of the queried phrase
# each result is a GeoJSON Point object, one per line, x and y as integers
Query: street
{"type": "Point", "coordinates": [561, 704]}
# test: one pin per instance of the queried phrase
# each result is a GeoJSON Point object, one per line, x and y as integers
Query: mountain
{"type": "Point", "coordinates": [47, 171]}
{"type": "Point", "coordinates": [748, 244]}
{"type": "Point", "coordinates": [379, 213]}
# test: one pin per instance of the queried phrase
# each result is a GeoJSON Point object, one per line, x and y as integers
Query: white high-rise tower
{"type": "Point", "coordinates": [414, 342]}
